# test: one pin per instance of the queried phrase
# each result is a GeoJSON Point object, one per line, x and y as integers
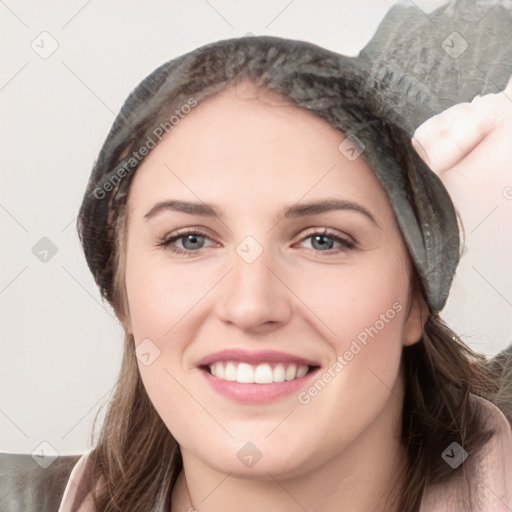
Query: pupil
{"type": "Point", "coordinates": [322, 245]}
{"type": "Point", "coordinates": [194, 239]}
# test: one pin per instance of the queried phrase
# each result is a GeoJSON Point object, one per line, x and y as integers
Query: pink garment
{"type": "Point", "coordinates": [488, 475]}
{"type": "Point", "coordinates": [72, 486]}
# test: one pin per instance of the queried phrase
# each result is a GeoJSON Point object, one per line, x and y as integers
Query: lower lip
{"type": "Point", "coordinates": [256, 393]}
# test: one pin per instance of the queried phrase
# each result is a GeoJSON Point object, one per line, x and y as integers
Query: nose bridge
{"type": "Point", "coordinates": [252, 295]}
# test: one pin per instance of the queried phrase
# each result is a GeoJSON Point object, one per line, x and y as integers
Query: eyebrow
{"type": "Point", "coordinates": [289, 212]}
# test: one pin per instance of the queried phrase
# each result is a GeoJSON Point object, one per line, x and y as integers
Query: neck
{"type": "Point", "coordinates": [364, 476]}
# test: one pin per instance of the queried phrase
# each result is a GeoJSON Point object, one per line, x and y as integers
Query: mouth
{"type": "Point", "coordinates": [256, 377]}
{"type": "Point", "coordinates": [263, 373]}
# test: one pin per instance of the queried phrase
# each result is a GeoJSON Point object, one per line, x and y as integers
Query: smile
{"type": "Point", "coordinates": [256, 377]}
{"type": "Point", "coordinates": [265, 373]}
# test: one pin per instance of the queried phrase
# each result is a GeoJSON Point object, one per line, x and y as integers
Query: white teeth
{"type": "Point", "coordinates": [279, 373]}
{"type": "Point", "coordinates": [260, 374]}
{"type": "Point", "coordinates": [291, 372]}
{"type": "Point", "coordinates": [217, 369]}
{"type": "Point", "coordinates": [301, 371]}
{"type": "Point", "coordinates": [263, 374]}
{"type": "Point", "coordinates": [245, 373]}
{"type": "Point", "coordinates": [229, 371]}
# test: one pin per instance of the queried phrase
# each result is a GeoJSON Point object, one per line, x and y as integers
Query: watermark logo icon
{"type": "Point", "coordinates": [454, 45]}
{"type": "Point", "coordinates": [249, 454]}
{"type": "Point", "coordinates": [454, 455]}
{"type": "Point", "coordinates": [351, 147]}
{"type": "Point", "coordinates": [45, 45]}
{"type": "Point", "coordinates": [249, 249]}
{"type": "Point", "coordinates": [147, 351]}
{"type": "Point", "coordinates": [44, 454]}
{"type": "Point", "coordinates": [44, 250]}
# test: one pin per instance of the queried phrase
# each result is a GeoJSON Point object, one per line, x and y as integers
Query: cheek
{"type": "Point", "coordinates": [165, 304]}
{"type": "Point", "coordinates": [367, 316]}
{"type": "Point", "coordinates": [159, 296]}
{"type": "Point", "coordinates": [357, 302]}
{"type": "Point", "coordinates": [361, 312]}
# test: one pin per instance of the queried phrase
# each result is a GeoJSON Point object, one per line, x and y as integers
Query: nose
{"type": "Point", "coordinates": [254, 296]}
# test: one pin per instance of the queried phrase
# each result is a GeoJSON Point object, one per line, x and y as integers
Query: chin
{"type": "Point", "coordinates": [255, 460]}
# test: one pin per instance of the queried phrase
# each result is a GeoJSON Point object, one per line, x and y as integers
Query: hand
{"type": "Point", "coordinates": [469, 146]}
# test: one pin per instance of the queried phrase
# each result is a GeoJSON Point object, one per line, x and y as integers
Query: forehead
{"type": "Point", "coordinates": [251, 141]}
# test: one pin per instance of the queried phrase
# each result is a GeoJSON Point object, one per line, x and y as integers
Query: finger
{"type": "Point", "coordinates": [445, 139]}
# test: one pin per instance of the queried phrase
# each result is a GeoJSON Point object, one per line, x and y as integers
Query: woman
{"type": "Point", "coordinates": [296, 359]}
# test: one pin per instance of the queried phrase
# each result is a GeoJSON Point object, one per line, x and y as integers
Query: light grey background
{"type": "Point", "coordinates": [60, 345]}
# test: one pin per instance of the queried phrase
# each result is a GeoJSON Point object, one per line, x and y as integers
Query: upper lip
{"type": "Point", "coordinates": [254, 357]}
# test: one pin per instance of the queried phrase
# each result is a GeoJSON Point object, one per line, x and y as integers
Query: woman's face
{"type": "Point", "coordinates": [265, 295]}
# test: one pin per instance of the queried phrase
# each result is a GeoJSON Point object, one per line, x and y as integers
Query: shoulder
{"type": "Point", "coordinates": [75, 478]}
{"type": "Point", "coordinates": [495, 459]}
{"type": "Point", "coordinates": [486, 479]}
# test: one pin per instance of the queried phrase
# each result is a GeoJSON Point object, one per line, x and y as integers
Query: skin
{"type": "Point", "coordinates": [468, 147]}
{"type": "Point", "coordinates": [251, 154]}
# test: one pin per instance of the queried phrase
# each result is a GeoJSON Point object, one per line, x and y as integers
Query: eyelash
{"type": "Point", "coordinates": [346, 244]}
